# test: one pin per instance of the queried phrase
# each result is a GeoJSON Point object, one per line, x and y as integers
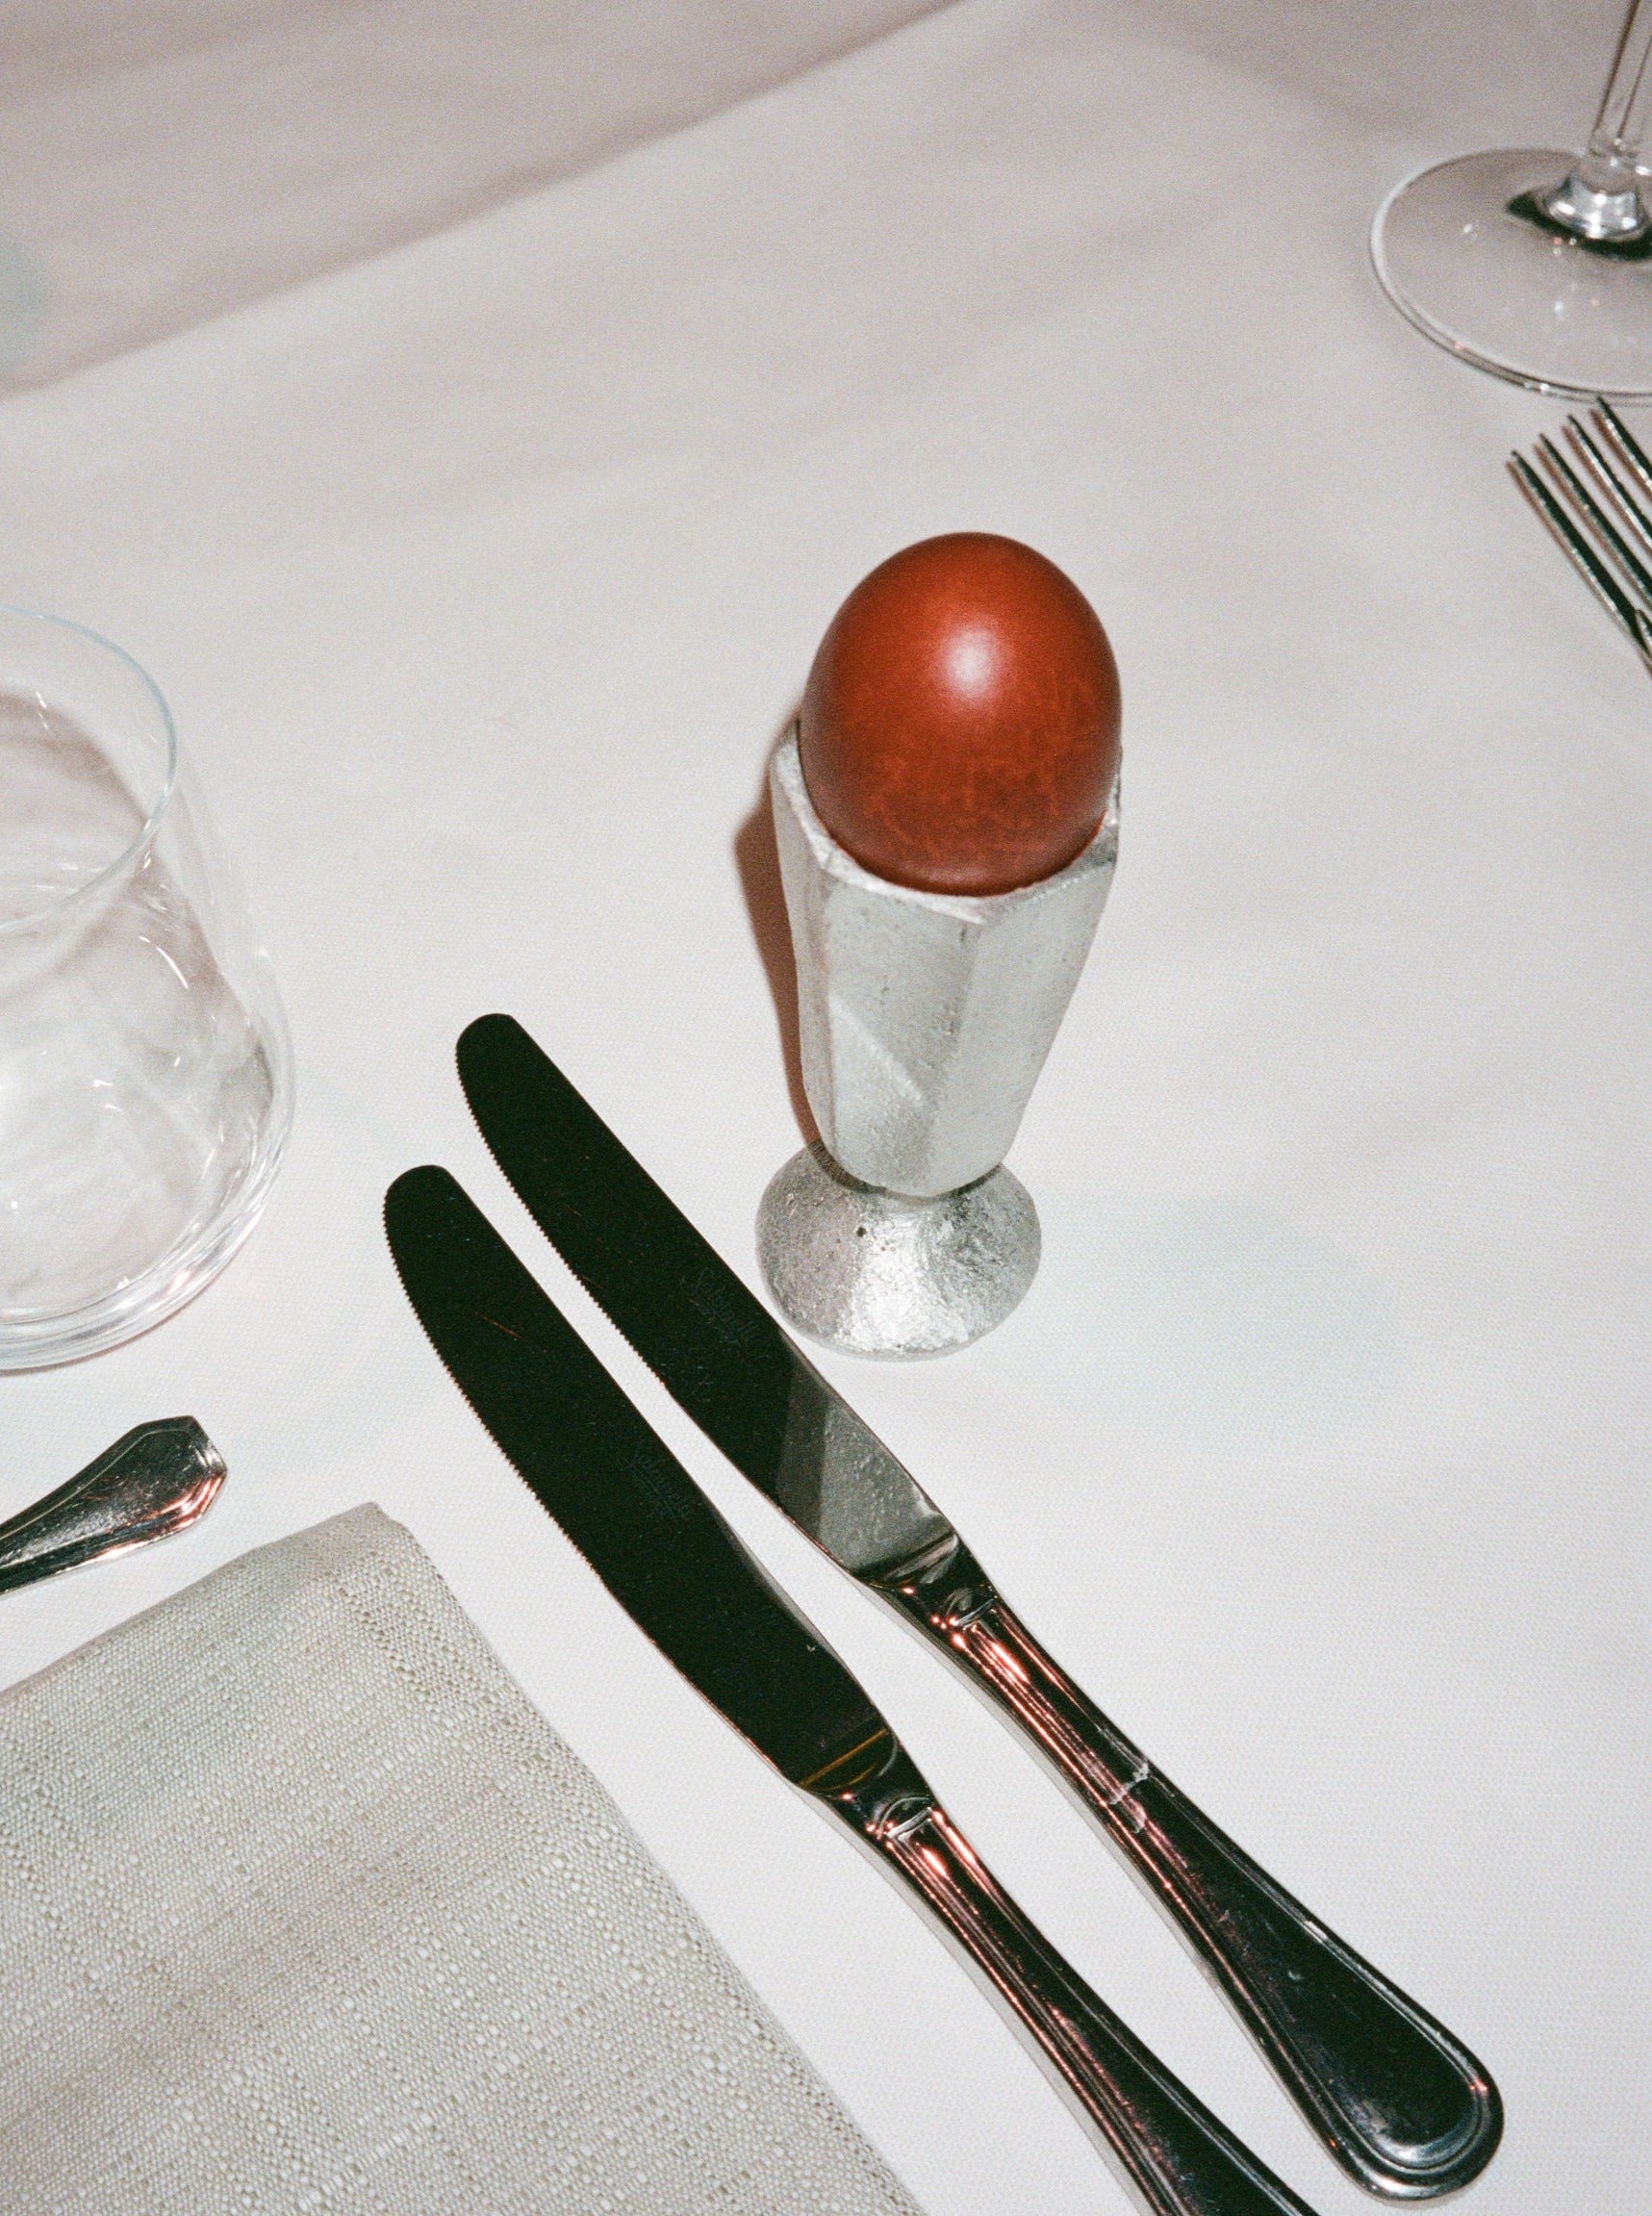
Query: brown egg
{"type": "Point", "coordinates": [960, 727]}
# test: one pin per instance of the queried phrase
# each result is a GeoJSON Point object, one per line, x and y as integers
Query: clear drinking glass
{"type": "Point", "coordinates": [145, 1074]}
{"type": "Point", "coordinates": [1534, 265]}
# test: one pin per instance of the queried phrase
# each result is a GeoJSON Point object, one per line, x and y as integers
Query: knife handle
{"type": "Point", "coordinates": [1402, 2104]}
{"type": "Point", "coordinates": [1179, 2160]}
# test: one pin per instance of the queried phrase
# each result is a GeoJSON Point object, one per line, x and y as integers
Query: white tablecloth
{"type": "Point", "coordinates": [482, 573]}
{"type": "Point", "coordinates": [168, 160]}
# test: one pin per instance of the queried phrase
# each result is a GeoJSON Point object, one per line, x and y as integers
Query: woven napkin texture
{"type": "Point", "coordinates": [303, 1907]}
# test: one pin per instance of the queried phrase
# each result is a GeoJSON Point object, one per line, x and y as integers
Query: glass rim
{"type": "Point", "coordinates": [150, 829]}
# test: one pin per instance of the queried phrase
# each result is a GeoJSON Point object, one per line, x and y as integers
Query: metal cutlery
{"type": "Point", "coordinates": [154, 1482]}
{"type": "Point", "coordinates": [666, 1556]}
{"type": "Point", "coordinates": [1400, 2103]}
{"type": "Point", "coordinates": [1605, 532]}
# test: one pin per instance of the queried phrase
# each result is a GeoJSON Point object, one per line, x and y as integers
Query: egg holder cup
{"type": "Point", "coordinates": [924, 1021]}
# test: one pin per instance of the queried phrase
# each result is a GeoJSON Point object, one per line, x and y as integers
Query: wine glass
{"type": "Point", "coordinates": [1534, 265]}
{"type": "Point", "coordinates": [145, 1077]}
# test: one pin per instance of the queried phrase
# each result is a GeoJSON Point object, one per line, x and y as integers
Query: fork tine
{"type": "Point", "coordinates": [1633, 512]}
{"type": "Point", "coordinates": [1629, 560]}
{"type": "Point", "coordinates": [1594, 574]}
{"type": "Point", "coordinates": [1625, 440]}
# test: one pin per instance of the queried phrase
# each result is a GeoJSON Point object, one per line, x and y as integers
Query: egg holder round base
{"type": "Point", "coordinates": [876, 1273]}
{"type": "Point", "coordinates": [924, 1021]}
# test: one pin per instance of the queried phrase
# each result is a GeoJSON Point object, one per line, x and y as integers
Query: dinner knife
{"type": "Point", "coordinates": [1401, 2104]}
{"type": "Point", "coordinates": [664, 1552]}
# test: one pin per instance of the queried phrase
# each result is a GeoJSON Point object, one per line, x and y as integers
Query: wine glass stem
{"type": "Point", "coordinates": [1615, 139]}
{"type": "Point", "coordinates": [1601, 200]}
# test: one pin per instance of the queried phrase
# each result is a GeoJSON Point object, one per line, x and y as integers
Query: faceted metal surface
{"type": "Point", "coordinates": [925, 1018]}
{"type": "Point", "coordinates": [875, 1273]}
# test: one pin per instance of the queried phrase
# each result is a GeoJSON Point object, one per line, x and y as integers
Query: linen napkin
{"type": "Point", "coordinates": [304, 1907]}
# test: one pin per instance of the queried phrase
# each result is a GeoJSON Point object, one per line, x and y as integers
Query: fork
{"type": "Point", "coordinates": [1608, 544]}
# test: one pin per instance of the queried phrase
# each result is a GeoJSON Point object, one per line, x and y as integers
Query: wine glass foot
{"type": "Point", "coordinates": [1467, 252]}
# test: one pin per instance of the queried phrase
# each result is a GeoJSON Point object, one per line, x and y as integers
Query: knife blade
{"type": "Point", "coordinates": [1397, 2099]}
{"type": "Point", "coordinates": [644, 1527]}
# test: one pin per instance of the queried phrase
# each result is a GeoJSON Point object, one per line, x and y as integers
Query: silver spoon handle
{"type": "Point", "coordinates": [1402, 2104]}
{"type": "Point", "coordinates": [157, 1480]}
{"type": "Point", "coordinates": [1179, 2159]}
